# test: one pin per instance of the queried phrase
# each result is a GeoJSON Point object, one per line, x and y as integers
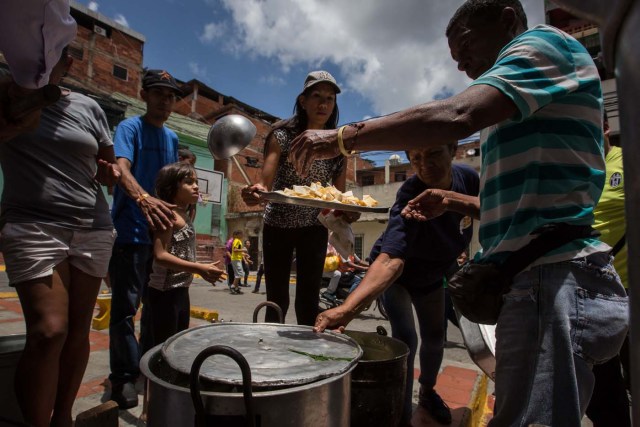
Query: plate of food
{"type": "Point", "coordinates": [318, 196]}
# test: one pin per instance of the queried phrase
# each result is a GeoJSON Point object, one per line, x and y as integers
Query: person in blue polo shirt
{"type": "Point", "coordinates": [143, 145]}
{"type": "Point", "coordinates": [423, 252]}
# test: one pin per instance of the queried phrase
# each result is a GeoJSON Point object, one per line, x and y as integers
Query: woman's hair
{"type": "Point", "coordinates": [169, 178]}
{"type": "Point", "coordinates": [185, 154]}
{"type": "Point", "coordinates": [298, 122]}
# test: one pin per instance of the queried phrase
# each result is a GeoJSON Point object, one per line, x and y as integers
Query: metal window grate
{"type": "Point", "coordinates": [367, 179]}
{"type": "Point", "coordinates": [120, 72]}
{"type": "Point", "coordinates": [76, 52]}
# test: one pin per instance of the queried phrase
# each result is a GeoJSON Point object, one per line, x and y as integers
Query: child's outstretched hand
{"type": "Point", "coordinates": [211, 273]}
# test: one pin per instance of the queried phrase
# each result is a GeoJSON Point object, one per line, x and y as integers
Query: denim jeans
{"type": "Point", "coordinates": [129, 273]}
{"type": "Point", "coordinates": [557, 321]}
{"type": "Point", "coordinates": [429, 305]}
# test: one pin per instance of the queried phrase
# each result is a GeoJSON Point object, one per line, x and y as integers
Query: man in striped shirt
{"type": "Point", "coordinates": [536, 96]}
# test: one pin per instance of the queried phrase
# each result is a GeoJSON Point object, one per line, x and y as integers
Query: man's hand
{"type": "Point", "coordinates": [211, 273]}
{"type": "Point", "coordinates": [251, 195]}
{"type": "Point", "coordinates": [429, 204]}
{"type": "Point", "coordinates": [336, 319]}
{"type": "Point", "coordinates": [313, 145]}
{"type": "Point", "coordinates": [159, 214]}
{"type": "Point", "coordinates": [108, 174]}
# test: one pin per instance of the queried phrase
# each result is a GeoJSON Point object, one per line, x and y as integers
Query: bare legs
{"type": "Point", "coordinates": [57, 311]}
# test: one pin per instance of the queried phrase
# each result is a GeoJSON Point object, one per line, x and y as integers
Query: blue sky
{"type": "Point", "coordinates": [386, 55]}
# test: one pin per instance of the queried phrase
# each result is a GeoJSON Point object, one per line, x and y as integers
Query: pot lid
{"type": "Point", "coordinates": [278, 355]}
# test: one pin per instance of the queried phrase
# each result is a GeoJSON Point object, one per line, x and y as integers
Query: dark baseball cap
{"type": "Point", "coordinates": [315, 77]}
{"type": "Point", "coordinates": [159, 78]}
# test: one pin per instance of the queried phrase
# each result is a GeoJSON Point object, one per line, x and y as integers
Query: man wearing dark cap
{"type": "Point", "coordinates": [143, 145]}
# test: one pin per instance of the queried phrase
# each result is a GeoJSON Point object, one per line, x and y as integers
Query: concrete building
{"type": "Point", "coordinates": [588, 34]}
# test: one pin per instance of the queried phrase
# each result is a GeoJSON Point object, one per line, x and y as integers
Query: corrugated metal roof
{"type": "Point", "coordinates": [195, 132]}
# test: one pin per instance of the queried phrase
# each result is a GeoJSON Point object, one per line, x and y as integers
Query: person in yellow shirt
{"type": "Point", "coordinates": [609, 405]}
{"type": "Point", "coordinates": [237, 255]}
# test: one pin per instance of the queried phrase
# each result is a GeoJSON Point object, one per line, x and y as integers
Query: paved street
{"type": "Point", "coordinates": [231, 308]}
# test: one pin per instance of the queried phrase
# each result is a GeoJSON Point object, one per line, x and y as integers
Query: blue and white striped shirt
{"type": "Point", "coordinates": [544, 165]}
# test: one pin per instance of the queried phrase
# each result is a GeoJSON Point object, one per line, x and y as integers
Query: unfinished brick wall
{"type": "Point", "coordinates": [99, 55]}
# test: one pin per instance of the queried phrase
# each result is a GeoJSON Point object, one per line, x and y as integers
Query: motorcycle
{"type": "Point", "coordinates": [348, 282]}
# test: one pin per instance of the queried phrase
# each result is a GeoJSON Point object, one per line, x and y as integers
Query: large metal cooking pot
{"type": "Point", "coordinates": [298, 377]}
{"type": "Point", "coordinates": [378, 382]}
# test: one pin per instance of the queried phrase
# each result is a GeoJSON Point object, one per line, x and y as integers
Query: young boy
{"type": "Point", "coordinates": [237, 255]}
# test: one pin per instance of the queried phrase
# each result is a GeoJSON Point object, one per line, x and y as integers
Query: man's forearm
{"type": "Point", "coordinates": [381, 274]}
{"type": "Point", "coordinates": [128, 182]}
{"type": "Point", "coordinates": [434, 123]}
{"type": "Point", "coordinates": [463, 204]}
{"type": "Point", "coordinates": [416, 128]}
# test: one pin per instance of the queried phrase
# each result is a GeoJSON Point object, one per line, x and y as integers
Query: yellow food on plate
{"type": "Point", "coordinates": [329, 194]}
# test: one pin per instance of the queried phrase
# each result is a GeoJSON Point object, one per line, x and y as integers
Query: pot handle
{"type": "Point", "coordinates": [271, 304]}
{"type": "Point", "coordinates": [381, 330]}
{"type": "Point", "coordinates": [194, 382]}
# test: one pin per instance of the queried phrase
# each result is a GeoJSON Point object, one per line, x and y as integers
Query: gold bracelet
{"type": "Point", "coordinates": [341, 143]}
{"type": "Point", "coordinates": [141, 198]}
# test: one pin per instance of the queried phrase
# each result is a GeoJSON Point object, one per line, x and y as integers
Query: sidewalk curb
{"type": "Point", "coordinates": [204, 314]}
{"type": "Point", "coordinates": [478, 402]}
{"type": "Point", "coordinates": [5, 295]}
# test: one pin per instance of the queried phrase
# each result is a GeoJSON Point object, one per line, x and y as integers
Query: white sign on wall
{"type": "Point", "coordinates": [210, 185]}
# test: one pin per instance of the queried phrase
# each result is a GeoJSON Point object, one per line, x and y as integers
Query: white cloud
{"type": "Point", "coordinates": [93, 5]}
{"type": "Point", "coordinates": [197, 69]}
{"type": "Point", "coordinates": [393, 53]}
{"type": "Point", "coordinates": [213, 31]}
{"type": "Point", "coordinates": [120, 19]}
{"type": "Point", "coordinates": [273, 80]}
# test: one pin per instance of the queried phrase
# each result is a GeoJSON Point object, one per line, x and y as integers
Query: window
{"type": "Point", "coordinates": [120, 72]}
{"type": "Point", "coordinates": [367, 180]}
{"type": "Point", "coordinates": [252, 162]}
{"type": "Point", "coordinates": [400, 176]}
{"type": "Point", "coordinates": [359, 240]}
{"type": "Point", "coordinates": [76, 52]}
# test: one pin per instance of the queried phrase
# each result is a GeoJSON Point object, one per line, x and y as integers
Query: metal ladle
{"type": "Point", "coordinates": [230, 135]}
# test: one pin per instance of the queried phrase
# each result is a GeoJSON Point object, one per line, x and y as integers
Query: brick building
{"type": "Point", "coordinates": [107, 56]}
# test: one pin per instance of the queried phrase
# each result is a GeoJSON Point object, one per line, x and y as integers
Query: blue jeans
{"type": "Point", "coordinates": [557, 321]}
{"type": "Point", "coordinates": [429, 305]}
{"type": "Point", "coordinates": [129, 271]}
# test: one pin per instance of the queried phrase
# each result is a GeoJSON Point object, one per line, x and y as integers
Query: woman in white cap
{"type": "Point", "coordinates": [289, 228]}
